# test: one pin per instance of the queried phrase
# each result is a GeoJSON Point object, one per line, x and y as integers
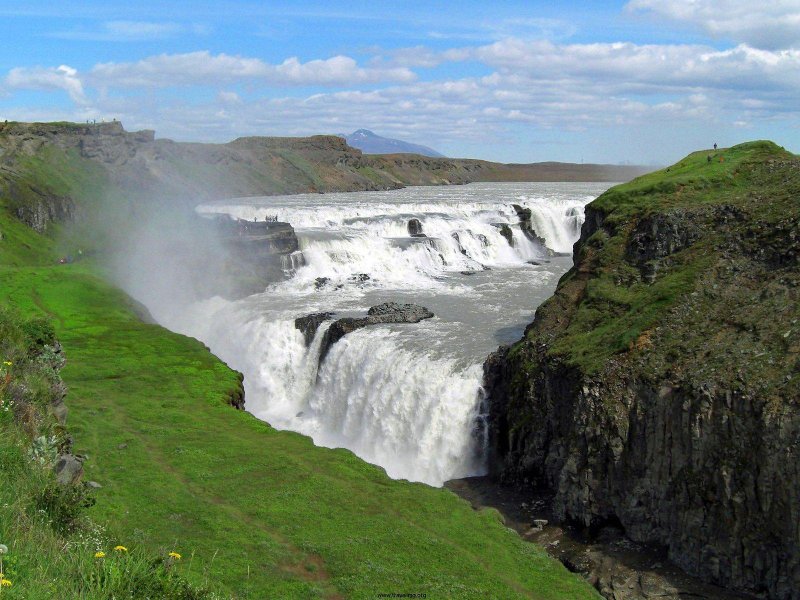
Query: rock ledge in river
{"type": "Point", "coordinates": [388, 312]}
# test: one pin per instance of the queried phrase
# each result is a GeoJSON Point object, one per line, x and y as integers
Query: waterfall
{"type": "Point", "coordinates": [407, 397]}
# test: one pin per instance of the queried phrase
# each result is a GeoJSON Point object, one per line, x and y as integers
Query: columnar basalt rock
{"type": "Point", "coordinates": [684, 426]}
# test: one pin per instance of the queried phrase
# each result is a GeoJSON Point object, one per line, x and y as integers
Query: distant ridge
{"type": "Point", "coordinates": [371, 143]}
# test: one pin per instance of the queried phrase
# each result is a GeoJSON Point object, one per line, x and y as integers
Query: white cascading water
{"type": "Point", "coordinates": [405, 396]}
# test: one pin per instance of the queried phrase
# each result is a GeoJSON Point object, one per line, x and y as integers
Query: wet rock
{"type": "Point", "coordinates": [388, 312]}
{"type": "Point", "coordinates": [506, 232]}
{"type": "Point", "coordinates": [523, 213]}
{"type": "Point", "coordinates": [415, 228]}
{"type": "Point", "coordinates": [309, 324]}
{"type": "Point", "coordinates": [461, 248]}
{"type": "Point", "coordinates": [321, 282]}
{"type": "Point", "coordinates": [359, 278]}
{"type": "Point", "coordinates": [526, 225]}
{"type": "Point", "coordinates": [393, 312]}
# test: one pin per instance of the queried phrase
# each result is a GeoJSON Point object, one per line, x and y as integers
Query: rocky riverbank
{"type": "Point", "coordinates": [645, 395]}
{"type": "Point", "coordinates": [617, 567]}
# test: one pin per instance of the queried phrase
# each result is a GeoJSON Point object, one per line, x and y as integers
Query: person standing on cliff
{"type": "Point", "coordinates": [715, 145]}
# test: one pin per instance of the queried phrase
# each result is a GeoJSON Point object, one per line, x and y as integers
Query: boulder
{"type": "Point", "coordinates": [506, 232]}
{"type": "Point", "coordinates": [392, 312]}
{"type": "Point", "coordinates": [526, 225]}
{"type": "Point", "coordinates": [388, 312]}
{"type": "Point", "coordinates": [68, 469]}
{"type": "Point", "coordinates": [309, 324]}
{"type": "Point", "coordinates": [415, 228]}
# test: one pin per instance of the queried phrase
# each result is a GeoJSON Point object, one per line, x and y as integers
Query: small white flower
{"type": "Point", "coordinates": [3, 549]}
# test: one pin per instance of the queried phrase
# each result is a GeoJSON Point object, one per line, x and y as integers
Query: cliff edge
{"type": "Point", "coordinates": [659, 388]}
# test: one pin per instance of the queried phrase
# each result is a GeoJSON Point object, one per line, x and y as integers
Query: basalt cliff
{"type": "Point", "coordinates": [659, 388]}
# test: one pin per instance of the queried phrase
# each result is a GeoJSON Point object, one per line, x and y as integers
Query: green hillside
{"type": "Point", "coordinates": [255, 513]}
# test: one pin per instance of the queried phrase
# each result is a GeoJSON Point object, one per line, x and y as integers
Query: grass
{"type": "Point", "coordinates": [261, 513]}
{"type": "Point", "coordinates": [701, 179]}
{"type": "Point", "coordinates": [51, 548]}
{"type": "Point", "coordinates": [280, 517]}
{"type": "Point", "coordinates": [616, 308]}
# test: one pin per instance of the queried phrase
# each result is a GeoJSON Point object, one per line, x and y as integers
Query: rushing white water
{"type": "Point", "coordinates": [404, 396]}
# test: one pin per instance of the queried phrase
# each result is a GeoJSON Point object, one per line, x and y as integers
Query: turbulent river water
{"type": "Point", "coordinates": [406, 396]}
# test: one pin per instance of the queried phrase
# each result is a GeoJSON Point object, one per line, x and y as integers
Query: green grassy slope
{"type": "Point", "coordinates": [616, 307]}
{"type": "Point", "coordinates": [264, 514]}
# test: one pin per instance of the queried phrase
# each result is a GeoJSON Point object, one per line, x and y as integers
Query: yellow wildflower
{"type": "Point", "coordinates": [120, 549]}
{"type": "Point", "coordinates": [5, 582]}
{"type": "Point", "coordinates": [7, 363]}
{"type": "Point", "coordinates": [99, 554]}
{"type": "Point", "coordinates": [174, 555]}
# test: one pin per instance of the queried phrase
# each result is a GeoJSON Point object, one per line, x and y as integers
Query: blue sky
{"type": "Point", "coordinates": [642, 81]}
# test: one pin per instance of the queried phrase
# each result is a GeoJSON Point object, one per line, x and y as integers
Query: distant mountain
{"type": "Point", "coordinates": [370, 143]}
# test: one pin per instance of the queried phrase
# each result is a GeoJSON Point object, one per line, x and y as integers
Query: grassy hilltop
{"type": "Point", "coordinates": [255, 513]}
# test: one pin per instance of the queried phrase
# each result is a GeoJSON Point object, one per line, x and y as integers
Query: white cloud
{"type": "Point", "coordinates": [130, 31]}
{"type": "Point", "coordinates": [771, 25]}
{"type": "Point", "coordinates": [228, 98]}
{"type": "Point", "coordinates": [531, 85]}
{"type": "Point", "coordinates": [39, 78]}
{"type": "Point", "coordinates": [204, 68]}
{"type": "Point", "coordinates": [630, 68]}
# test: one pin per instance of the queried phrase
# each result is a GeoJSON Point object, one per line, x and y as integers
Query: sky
{"type": "Point", "coordinates": [636, 81]}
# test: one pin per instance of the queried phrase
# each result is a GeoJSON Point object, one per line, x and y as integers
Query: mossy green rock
{"type": "Point", "coordinates": [660, 386]}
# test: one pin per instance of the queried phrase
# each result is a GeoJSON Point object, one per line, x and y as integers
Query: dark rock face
{"type": "Point", "coordinates": [523, 213]}
{"type": "Point", "coordinates": [388, 312]}
{"type": "Point", "coordinates": [658, 236]}
{"type": "Point", "coordinates": [359, 278]}
{"type": "Point", "coordinates": [526, 225]}
{"type": "Point", "coordinates": [37, 208]}
{"type": "Point", "coordinates": [261, 238]}
{"type": "Point", "coordinates": [392, 312]}
{"type": "Point", "coordinates": [506, 232]}
{"type": "Point", "coordinates": [309, 324]}
{"type": "Point", "coordinates": [254, 255]}
{"type": "Point", "coordinates": [415, 228]}
{"type": "Point", "coordinates": [683, 438]}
